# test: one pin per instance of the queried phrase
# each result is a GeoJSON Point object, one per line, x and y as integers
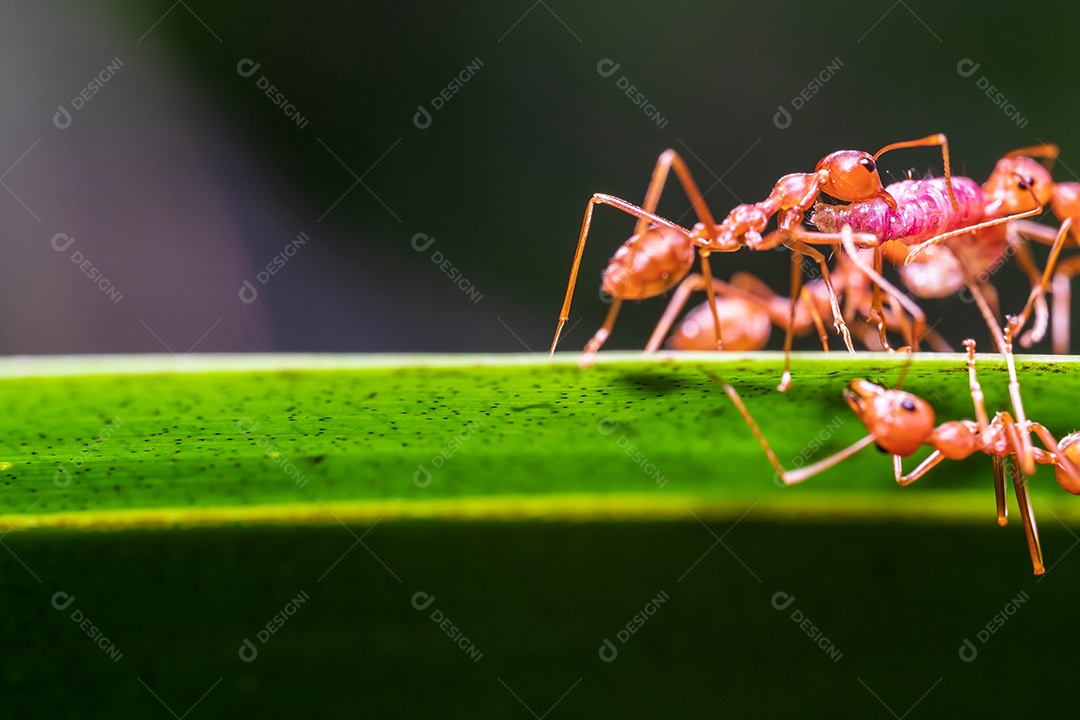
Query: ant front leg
{"type": "Point", "coordinates": [789, 330]}
{"type": "Point", "coordinates": [1025, 451]}
{"type": "Point", "coordinates": [789, 477]}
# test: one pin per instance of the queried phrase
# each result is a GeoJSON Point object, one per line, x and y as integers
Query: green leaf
{"type": "Point", "coordinates": [125, 442]}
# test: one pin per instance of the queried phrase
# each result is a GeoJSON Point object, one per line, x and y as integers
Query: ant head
{"type": "Point", "coordinates": [1070, 448]}
{"type": "Point", "coordinates": [1067, 201]}
{"type": "Point", "coordinates": [852, 176]}
{"type": "Point", "coordinates": [901, 421]}
{"type": "Point", "coordinates": [1019, 184]}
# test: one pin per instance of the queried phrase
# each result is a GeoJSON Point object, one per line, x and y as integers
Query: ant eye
{"type": "Point", "coordinates": [1025, 184]}
{"type": "Point", "coordinates": [868, 163]}
{"type": "Point", "coordinates": [908, 404]}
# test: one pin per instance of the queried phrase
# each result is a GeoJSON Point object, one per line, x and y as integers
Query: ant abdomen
{"type": "Point", "coordinates": [1070, 448]}
{"type": "Point", "coordinates": [649, 264]}
{"type": "Point", "coordinates": [745, 327]}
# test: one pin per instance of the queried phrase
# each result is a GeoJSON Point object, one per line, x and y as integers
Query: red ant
{"type": "Point", "coordinates": [658, 255]}
{"type": "Point", "coordinates": [900, 423]}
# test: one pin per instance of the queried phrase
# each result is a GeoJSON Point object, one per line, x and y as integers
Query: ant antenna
{"type": "Point", "coordinates": [930, 140]}
{"type": "Point", "coordinates": [1048, 152]}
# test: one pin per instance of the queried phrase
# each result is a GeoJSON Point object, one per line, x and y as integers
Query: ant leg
{"type": "Point", "coordinates": [789, 330]}
{"type": "Point", "coordinates": [929, 141]}
{"type": "Point", "coordinates": [593, 346]}
{"type": "Point", "coordinates": [815, 317]}
{"type": "Point", "coordinates": [1024, 452]}
{"type": "Point", "coordinates": [977, 398]}
{"type": "Point", "coordinates": [1018, 243]}
{"type": "Point", "coordinates": [1062, 290]}
{"type": "Point", "coordinates": [789, 477]}
{"type": "Point", "coordinates": [798, 245]}
{"type": "Point", "coordinates": [931, 461]}
{"type": "Point", "coordinates": [1038, 292]}
{"type": "Point", "coordinates": [917, 249]}
{"type": "Point", "coordinates": [1023, 501]}
{"type": "Point", "coordinates": [669, 159]}
{"type": "Point", "coordinates": [678, 302]}
{"type": "Point", "coordinates": [999, 490]}
{"type": "Point", "coordinates": [615, 202]}
{"type": "Point", "coordinates": [706, 272]}
{"type": "Point", "coordinates": [917, 316]}
{"type": "Point", "coordinates": [877, 311]}
{"type": "Point", "coordinates": [988, 314]}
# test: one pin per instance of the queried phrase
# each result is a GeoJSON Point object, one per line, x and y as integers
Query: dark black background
{"type": "Point", "coordinates": [180, 180]}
